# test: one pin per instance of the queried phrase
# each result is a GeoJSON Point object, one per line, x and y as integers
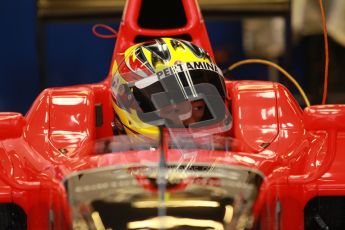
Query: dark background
{"type": "Point", "coordinates": [73, 55]}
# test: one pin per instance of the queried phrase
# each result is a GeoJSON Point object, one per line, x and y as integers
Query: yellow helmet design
{"type": "Point", "coordinates": [156, 83]}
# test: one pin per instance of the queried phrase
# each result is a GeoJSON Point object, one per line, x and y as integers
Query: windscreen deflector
{"type": "Point", "coordinates": [198, 197]}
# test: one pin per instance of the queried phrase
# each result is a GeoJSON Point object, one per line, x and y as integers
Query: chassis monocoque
{"type": "Point", "coordinates": [282, 167]}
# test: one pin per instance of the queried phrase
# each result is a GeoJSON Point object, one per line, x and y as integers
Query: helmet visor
{"type": "Point", "coordinates": [187, 94]}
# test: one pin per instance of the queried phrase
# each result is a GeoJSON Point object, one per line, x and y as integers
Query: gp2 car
{"type": "Point", "coordinates": [278, 167]}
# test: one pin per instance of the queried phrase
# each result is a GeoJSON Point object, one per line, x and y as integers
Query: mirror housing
{"type": "Point", "coordinates": [11, 125]}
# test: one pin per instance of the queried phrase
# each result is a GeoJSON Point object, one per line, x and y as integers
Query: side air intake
{"type": "Point", "coordinates": [12, 217]}
{"type": "Point", "coordinates": [325, 212]}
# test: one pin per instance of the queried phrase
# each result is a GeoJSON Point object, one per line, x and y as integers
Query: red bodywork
{"type": "Point", "coordinates": [299, 151]}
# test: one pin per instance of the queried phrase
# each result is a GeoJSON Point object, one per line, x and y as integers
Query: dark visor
{"type": "Point", "coordinates": [178, 88]}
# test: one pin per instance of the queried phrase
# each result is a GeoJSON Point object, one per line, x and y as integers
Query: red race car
{"type": "Point", "coordinates": [165, 142]}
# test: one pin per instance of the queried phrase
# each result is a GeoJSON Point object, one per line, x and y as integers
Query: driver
{"type": "Point", "coordinates": [171, 83]}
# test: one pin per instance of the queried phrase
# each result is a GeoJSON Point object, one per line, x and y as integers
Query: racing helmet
{"type": "Point", "coordinates": [167, 81]}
